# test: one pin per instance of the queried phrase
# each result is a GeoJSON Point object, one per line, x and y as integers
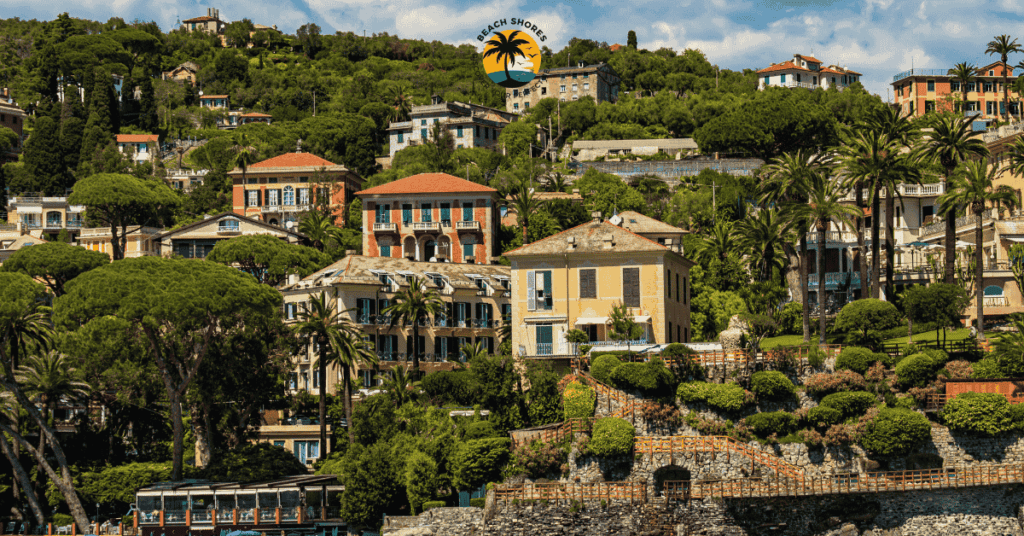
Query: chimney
{"type": "Point", "coordinates": [293, 279]}
{"type": "Point", "coordinates": [350, 252]}
{"type": "Point", "coordinates": [576, 191]}
{"type": "Point", "coordinates": [596, 215]}
{"type": "Point", "coordinates": [580, 65]}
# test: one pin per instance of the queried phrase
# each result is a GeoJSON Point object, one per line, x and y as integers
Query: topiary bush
{"type": "Point", "coordinates": [579, 401]}
{"type": "Point", "coordinates": [478, 502]}
{"type": "Point", "coordinates": [917, 370]}
{"type": "Point", "coordinates": [823, 417]}
{"type": "Point", "coordinates": [857, 359]}
{"type": "Point", "coordinates": [862, 320]}
{"type": "Point", "coordinates": [896, 431]}
{"type": "Point", "coordinates": [772, 385]}
{"type": "Point", "coordinates": [822, 384]}
{"type": "Point", "coordinates": [602, 367]}
{"type": "Point", "coordinates": [849, 403]}
{"type": "Point", "coordinates": [651, 379]}
{"type": "Point", "coordinates": [987, 368]}
{"type": "Point", "coordinates": [721, 396]}
{"type": "Point", "coordinates": [979, 413]}
{"type": "Point", "coordinates": [611, 437]}
{"type": "Point", "coordinates": [778, 423]}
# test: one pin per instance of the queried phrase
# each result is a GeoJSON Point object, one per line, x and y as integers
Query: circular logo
{"type": "Point", "coordinates": [511, 58]}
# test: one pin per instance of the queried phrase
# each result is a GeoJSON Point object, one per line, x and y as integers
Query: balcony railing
{"type": "Point", "coordinates": [467, 226]}
{"type": "Point", "coordinates": [920, 72]}
{"type": "Point", "coordinates": [385, 227]}
{"type": "Point", "coordinates": [834, 279]}
{"type": "Point", "coordinates": [995, 301]}
{"type": "Point", "coordinates": [54, 224]}
{"type": "Point", "coordinates": [426, 226]}
{"type": "Point", "coordinates": [924, 190]}
{"type": "Point", "coordinates": [832, 236]}
{"type": "Point", "coordinates": [545, 348]}
{"type": "Point", "coordinates": [962, 221]}
{"type": "Point", "coordinates": [617, 343]}
{"type": "Point", "coordinates": [73, 224]}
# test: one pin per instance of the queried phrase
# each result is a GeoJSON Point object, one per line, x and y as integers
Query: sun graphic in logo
{"type": "Point", "coordinates": [511, 58]}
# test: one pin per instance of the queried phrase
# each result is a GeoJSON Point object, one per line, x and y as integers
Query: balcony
{"type": "Point", "coordinates": [73, 224]}
{"type": "Point", "coordinates": [134, 254]}
{"type": "Point", "coordinates": [832, 236]}
{"type": "Point", "coordinates": [545, 348]}
{"type": "Point", "coordinates": [270, 208]}
{"type": "Point", "coordinates": [834, 279]}
{"type": "Point", "coordinates": [904, 190]}
{"type": "Point", "coordinates": [467, 226]}
{"type": "Point", "coordinates": [387, 227]}
{"type": "Point", "coordinates": [54, 224]}
{"type": "Point", "coordinates": [611, 343]}
{"type": "Point", "coordinates": [995, 301]}
{"type": "Point", "coordinates": [426, 227]}
{"type": "Point", "coordinates": [920, 72]}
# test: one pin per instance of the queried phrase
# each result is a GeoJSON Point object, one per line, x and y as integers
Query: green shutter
{"type": "Point", "coordinates": [548, 300]}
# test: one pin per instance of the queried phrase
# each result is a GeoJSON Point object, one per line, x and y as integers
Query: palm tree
{"type": "Point", "coordinates": [317, 228]}
{"type": "Point", "coordinates": [1002, 45]}
{"type": "Point", "coordinates": [472, 351]}
{"type": "Point", "coordinates": [525, 204]}
{"type": "Point", "coordinates": [401, 103]}
{"type": "Point", "coordinates": [245, 156]}
{"type": "Point", "coordinates": [964, 73]}
{"type": "Point", "coordinates": [24, 329]}
{"type": "Point", "coordinates": [414, 305]}
{"type": "Point", "coordinates": [505, 50]}
{"type": "Point", "coordinates": [824, 205]}
{"type": "Point", "coordinates": [556, 182]}
{"type": "Point", "coordinates": [51, 378]}
{"type": "Point", "coordinates": [974, 187]}
{"type": "Point", "coordinates": [401, 385]}
{"type": "Point", "coordinates": [320, 325]}
{"type": "Point", "coordinates": [348, 351]}
{"type": "Point", "coordinates": [786, 182]}
{"type": "Point", "coordinates": [718, 245]}
{"type": "Point", "coordinates": [763, 235]}
{"type": "Point", "coordinates": [949, 143]}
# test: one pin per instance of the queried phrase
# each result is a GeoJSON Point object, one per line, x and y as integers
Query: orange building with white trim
{"type": "Point", "coordinates": [919, 91]}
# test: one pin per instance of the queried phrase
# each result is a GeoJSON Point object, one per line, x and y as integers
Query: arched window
{"type": "Point", "coordinates": [289, 195]}
{"type": "Point", "coordinates": [993, 291]}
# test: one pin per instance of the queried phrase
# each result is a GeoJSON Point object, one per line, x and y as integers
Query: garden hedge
{"type": "Point", "coordinates": [650, 378]}
{"type": "Point", "coordinates": [772, 385]}
{"type": "Point", "coordinates": [823, 417]}
{"type": "Point", "coordinates": [917, 370]}
{"type": "Point", "coordinates": [979, 413]}
{"type": "Point", "coordinates": [858, 359]}
{"type": "Point", "coordinates": [765, 424]}
{"type": "Point", "coordinates": [850, 403]}
{"type": "Point", "coordinates": [602, 367]}
{"type": "Point", "coordinates": [721, 396]}
{"type": "Point", "coordinates": [612, 436]}
{"type": "Point", "coordinates": [579, 401]}
{"type": "Point", "coordinates": [896, 431]}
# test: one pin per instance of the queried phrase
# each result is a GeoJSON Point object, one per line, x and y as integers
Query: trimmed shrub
{"type": "Point", "coordinates": [862, 320]}
{"type": "Point", "coordinates": [478, 462]}
{"type": "Point", "coordinates": [579, 401]}
{"type": "Point", "coordinates": [602, 367]}
{"type": "Point", "coordinates": [612, 437]}
{"type": "Point", "coordinates": [650, 378]}
{"type": "Point", "coordinates": [987, 368]}
{"type": "Point", "coordinates": [457, 387]}
{"type": "Point", "coordinates": [790, 319]}
{"type": "Point", "coordinates": [896, 431]}
{"type": "Point", "coordinates": [778, 423]}
{"type": "Point", "coordinates": [849, 403]}
{"type": "Point", "coordinates": [917, 370]}
{"type": "Point", "coordinates": [815, 356]}
{"type": "Point", "coordinates": [823, 416]}
{"type": "Point", "coordinates": [721, 396]}
{"type": "Point", "coordinates": [979, 413]}
{"type": "Point", "coordinates": [858, 359]}
{"type": "Point", "coordinates": [684, 366]}
{"type": "Point", "coordinates": [480, 430]}
{"type": "Point", "coordinates": [539, 458]}
{"type": "Point", "coordinates": [772, 385]}
{"type": "Point", "coordinates": [1017, 414]}
{"type": "Point", "coordinates": [843, 380]}
{"type": "Point", "coordinates": [478, 502]}
{"type": "Point", "coordinates": [433, 504]}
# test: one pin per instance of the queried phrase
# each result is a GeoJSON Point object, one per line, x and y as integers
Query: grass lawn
{"type": "Point", "coordinates": [955, 335]}
{"type": "Point", "coordinates": [787, 340]}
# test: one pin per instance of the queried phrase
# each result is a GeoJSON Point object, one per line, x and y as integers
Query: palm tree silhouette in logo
{"type": "Point", "coordinates": [506, 49]}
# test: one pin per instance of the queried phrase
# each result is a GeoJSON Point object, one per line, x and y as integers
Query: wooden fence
{"type": "Point", "coordinates": [958, 346]}
{"type": "Point", "coordinates": [568, 428]}
{"type": "Point", "coordinates": [715, 445]}
{"type": "Point", "coordinates": [877, 482]}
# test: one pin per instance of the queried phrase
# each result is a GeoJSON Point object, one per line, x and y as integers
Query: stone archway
{"type": "Point", "coordinates": [409, 248]}
{"type": "Point", "coordinates": [669, 473]}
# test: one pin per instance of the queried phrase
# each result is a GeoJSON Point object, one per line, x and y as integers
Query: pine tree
{"type": "Point", "coordinates": [631, 39]}
{"type": "Point", "coordinates": [147, 119]}
{"type": "Point", "coordinates": [41, 160]}
{"type": "Point", "coordinates": [98, 129]}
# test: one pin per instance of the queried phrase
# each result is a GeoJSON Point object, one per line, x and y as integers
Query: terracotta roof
{"type": "Point", "coordinates": [213, 97]}
{"type": "Point", "coordinates": [255, 114]}
{"type": "Point", "coordinates": [810, 58]}
{"type": "Point", "coordinates": [295, 160]}
{"type": "Point", "coordinates": [615, 47]}
{"type": "Point", "coordinates": [428, 183]}
{"type": "Point", "coordinates": [640, 224]}
{"type": "Point", "coordinates": [356, 269]}
{"type": "Point", "coordinates": [591, 237]}
{"type": "Point", "coordinates": [204, 18]}
{"type": "Point", "coordinates": [831, 70]}
{"type": "Point", "coordinates": [783, 66]}
{"type": "Point", "coordinates": [138, 138]}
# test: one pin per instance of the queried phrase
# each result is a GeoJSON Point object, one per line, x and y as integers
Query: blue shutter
{"type": "Point", "coordinates": [406, 213]}
{"type": "Point", "coordinates": [467, 212]}
{"type": "Point", "coordinates": [548, 300]}
{"type": "Point", "coordinates": [446, 212]}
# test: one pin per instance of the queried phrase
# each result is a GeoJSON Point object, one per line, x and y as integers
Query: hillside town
{"type": "Point", "coordinates": [259, 283]}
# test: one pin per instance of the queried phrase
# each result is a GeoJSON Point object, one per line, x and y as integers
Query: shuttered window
{"type": "Point", "coordinates": [677, 287]}
{"type": "Point", "coordinates": [588, 283]}
{"type": "Point", "coordinates": [668, 279]}
{"type": "Point", "coordinates": [538, 291]}
{"type": "Point", "coordinates": [631, 287]}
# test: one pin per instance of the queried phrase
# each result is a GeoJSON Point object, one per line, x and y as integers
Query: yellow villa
{"type": "Point", "coordinates": [573, 279]}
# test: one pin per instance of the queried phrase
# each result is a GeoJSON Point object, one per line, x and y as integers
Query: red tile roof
{"type": "Point", "coordinates": [204, 18]}
{"type": "Point", "coordinates": [428, 183]}
{"type": "Point", "coordinates": [810, 58]}
{"type": "Point", "coordinates": [293, 160]}
{"type": "Point", "coordinates": [138, 138]}
{"type": "Point", "coordinates": [782, 66]}
{"type": "Point", "coordinates": [615, 47]}
{"type": "Point", "coordinates": [255, 114]}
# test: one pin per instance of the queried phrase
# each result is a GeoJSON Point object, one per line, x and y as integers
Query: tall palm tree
{"type": "Point", "coordinates": [762, 235]}
{"type": "Point", "coordinates": [321, 327]}
{"type": "Point", "coordinates": [824, 205]}
{"type": "Point", "coordinates": [1004, 46]}
{"type": "Point", "coordinates": [413, 305]}
{"type": "Point", "coordinates": [400, 385]}
{"type": "Point", "coordinates": [964, 73]}
{"type": "Point", "coordinates": [317, 227]}
{"type": "Point", "coordinates": [245, 156]}
{"type": "Point", "coordinates": [51, 378]}
{"type": "Point", "coordinates": [949, 143]}
{"type": "Point", "coordinates": [348, 350]}
{"type": "Point", "coordinates": [719, 244]}
{"type": "Point", "coordinates": [556, 182]}
{"type": "Point", "coordinates": [505, 49]}
{"type": "Point", "coordinates": [974, 187]}
{"type": "Point", "coordinates": [525, 204]}
{"type": "Point", "coordinates": [786, 183]}
{"type": "Point", "coordinates": [401, 103]}
{"type": "Point", "coordinates": [24, 329]}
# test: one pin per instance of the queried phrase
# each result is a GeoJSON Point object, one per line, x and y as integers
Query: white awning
{"type": "Point", "coordinates": [641, 319]}
{"type": "Point", "coordinates": [591, 320]}
{"type": "Point", "coordinates": [1015, 239]}
{"type": "Point", "coordinates": [30, 209]}
{"type": "Point", "coordinates": [552, 319]}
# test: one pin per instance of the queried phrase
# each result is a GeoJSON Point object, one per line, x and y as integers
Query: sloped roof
{"type": "Point", "coordinates": [223, 215]}
{"type": "Point", "coordinates": [256, 114]}
{"type": "Point", "coordinates": [588, 238]}
{"type": "Point", "coordinates": [428, 183]}
{"type": "Point", "coordinates": [356, 269]}
{"type": "Point", "coordinates": [640, 224]}
{"type": "Point", "coordinates": [293, 160]}
{"type": "Point", "coordinates": [809, 58]}
{"type": "Point", "coordinates": [782, 67]}
{"type": "Point", "coordinates": [138, 138]}
{"type": "Point", "coordinates": [204, 18]}
{"type": "Point", "coordinates": [213, 97]}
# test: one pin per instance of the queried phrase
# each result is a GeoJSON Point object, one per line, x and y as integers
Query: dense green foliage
{"type": "Point", "coordinates": [602, 367]}
{"type": "Point", "coordinates": [254, 462]}
{"type": "Point", "coordinates": [772, 385]}
{"type": "Point", "coordinates": [863, 319]}
{"type": "Point", "coordinates": [651, 379]}
{"type": "Point", "coordinates": [720, 396]}
{"type": "Point", "coordinates": [777, 423]}
{"type": "Point", "coordinates": [857, 359]}
{"type": "Point", "coordinates": [896, 431]}
{"type": "Point", "coordinates": [479, 461]}
{"type": "Point", "coordinates": [917, 370]}
{"type": "Point", "coordinates": [824, 416]}
{"type": "Point", "coordinates": [979, 413]}
{"type": "Point", "coordinates": [849, 403]}
{"type": "Point", "coordinates": [612, 437]}
{"type": "Point", "coordinates": [267, 258]}
{"type": "Point", "coordinates": [55, 263]}
{"type": "Point", "coordinates": [579, 401]}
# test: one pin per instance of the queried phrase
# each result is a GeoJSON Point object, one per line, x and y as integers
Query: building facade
{"type": "Point", "coordinates": [215, 102]}
{"type": "Point", "coordinates": [141, 241]}
{"type": "Point", "coordinates": [196, 240]}
{"type": "Point", "coordinates": [185, 72]}
{"type": "Point", "coordinates": [279, 189]}
{"type": "Point", "coordinates": [598, 81]}
{"type": "Point", "coordinates": [919, 91]}
{"type": "Point", "coordinates": [475, 300]}
{"type": "Point", "coordinates": [471, 125]}
{"type": "Point", "coordinates": [254, 117]}
{"type": "Point", "coordinates": [142, 147]}
{"type": "Point", "coordinates": [45, 216]}
{"type": "Point", "coordinates": [807, 72]}
{"type": "Point", "coordinates": [210, 23]}
{"type": "Point", "coordinates": [431, 217]}
{"type": "Point", "coordinates": [572, 280]}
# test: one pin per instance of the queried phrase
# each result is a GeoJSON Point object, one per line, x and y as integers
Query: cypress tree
{"type": "Point", "coordinates": [98, 128]}
{"type": "Point", "coordinates": [147, 119]}
{"type": "Point", "coordinates": [43, 158]}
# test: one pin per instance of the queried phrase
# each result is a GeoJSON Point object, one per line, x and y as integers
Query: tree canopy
{"type": "Point", "coordinates": [55, 263]}
{"type": "Point", "coordinates": [267, 258]}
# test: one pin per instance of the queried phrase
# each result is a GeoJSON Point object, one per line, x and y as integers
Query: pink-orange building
{"type": "Point", "coordinates": [919, 91]}
{"type": "Point", "coordinates": [431, 217]}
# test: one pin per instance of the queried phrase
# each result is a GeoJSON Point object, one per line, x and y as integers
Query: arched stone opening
{"type": "Point", "coordinates": [669, 473]}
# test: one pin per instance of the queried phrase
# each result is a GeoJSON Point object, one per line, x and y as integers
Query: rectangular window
{"type": "Point", "coordinates": [406, 214]}
{"type": "Point", "coordinates": [423, 121]}
{"type": "Point", "coordinates": [631, 287]}
{"type": "Point", "coordinates": [953, 86]}
{"type": "Point", "coordinates": [586, 86]}
{"type": "Point", "coordinates": [515, 92]}
{"type": "Point", "coordinates": [574, 87]}
{"type": "Point", "coordinates": [458, 132]}
{"type": "Point", "coordinates": [467, 211]}
{"type": "Point", "coordinates": [588, 283]}
{"type": "Point", "coordinates": [544, 345]}
{"type": "Point", "coordinates": [677, 286]}
{"type": "Point", "coordinates": [303, 196]}
{"type": "Point", "coordinates": [782, 78]}
{"type": "Point", "coordinates": [543, 91]}
{"type": "Point", "coordinates": [425, 212]}
{"type": "Point", "coordinates": [253, 198]}
{"type": "Point", "coordinates": [931, 85]}
{"type": "Point", "coordinates": [423, 133]}
{"type": "Point", "coordinates": [401, 137]}
{"type": "Point", "coordinates": [477, 131]}
{"type": "Point", "coordinates": [515, 106]}
{"type": "Point", "coordinates": [289, 311]}
{"type": "Point", "coordinates": [538, 289]}
{"type": "Point", "coordinates": [670, 332]}
{"type": "Point", "coordinates": [383, 214]}
{"type": "Point", "coordinates": [446, 214]}
{"type": "Point", "coordinates": [561, 89]}
{"type": "Point", "coordinates": [987, 86]}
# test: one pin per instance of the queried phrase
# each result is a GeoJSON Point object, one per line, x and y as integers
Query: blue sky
{"type": "Point", "coordinates": [878, 38]}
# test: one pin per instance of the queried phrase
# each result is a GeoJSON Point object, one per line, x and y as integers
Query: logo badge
{"type": "Point", "coordinates": [511, 58]}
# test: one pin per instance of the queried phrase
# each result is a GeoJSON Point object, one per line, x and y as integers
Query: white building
{"type": "Point", "coordinates": [806, 72]}
{"type": "Point", "coordinates": [471, 125]}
